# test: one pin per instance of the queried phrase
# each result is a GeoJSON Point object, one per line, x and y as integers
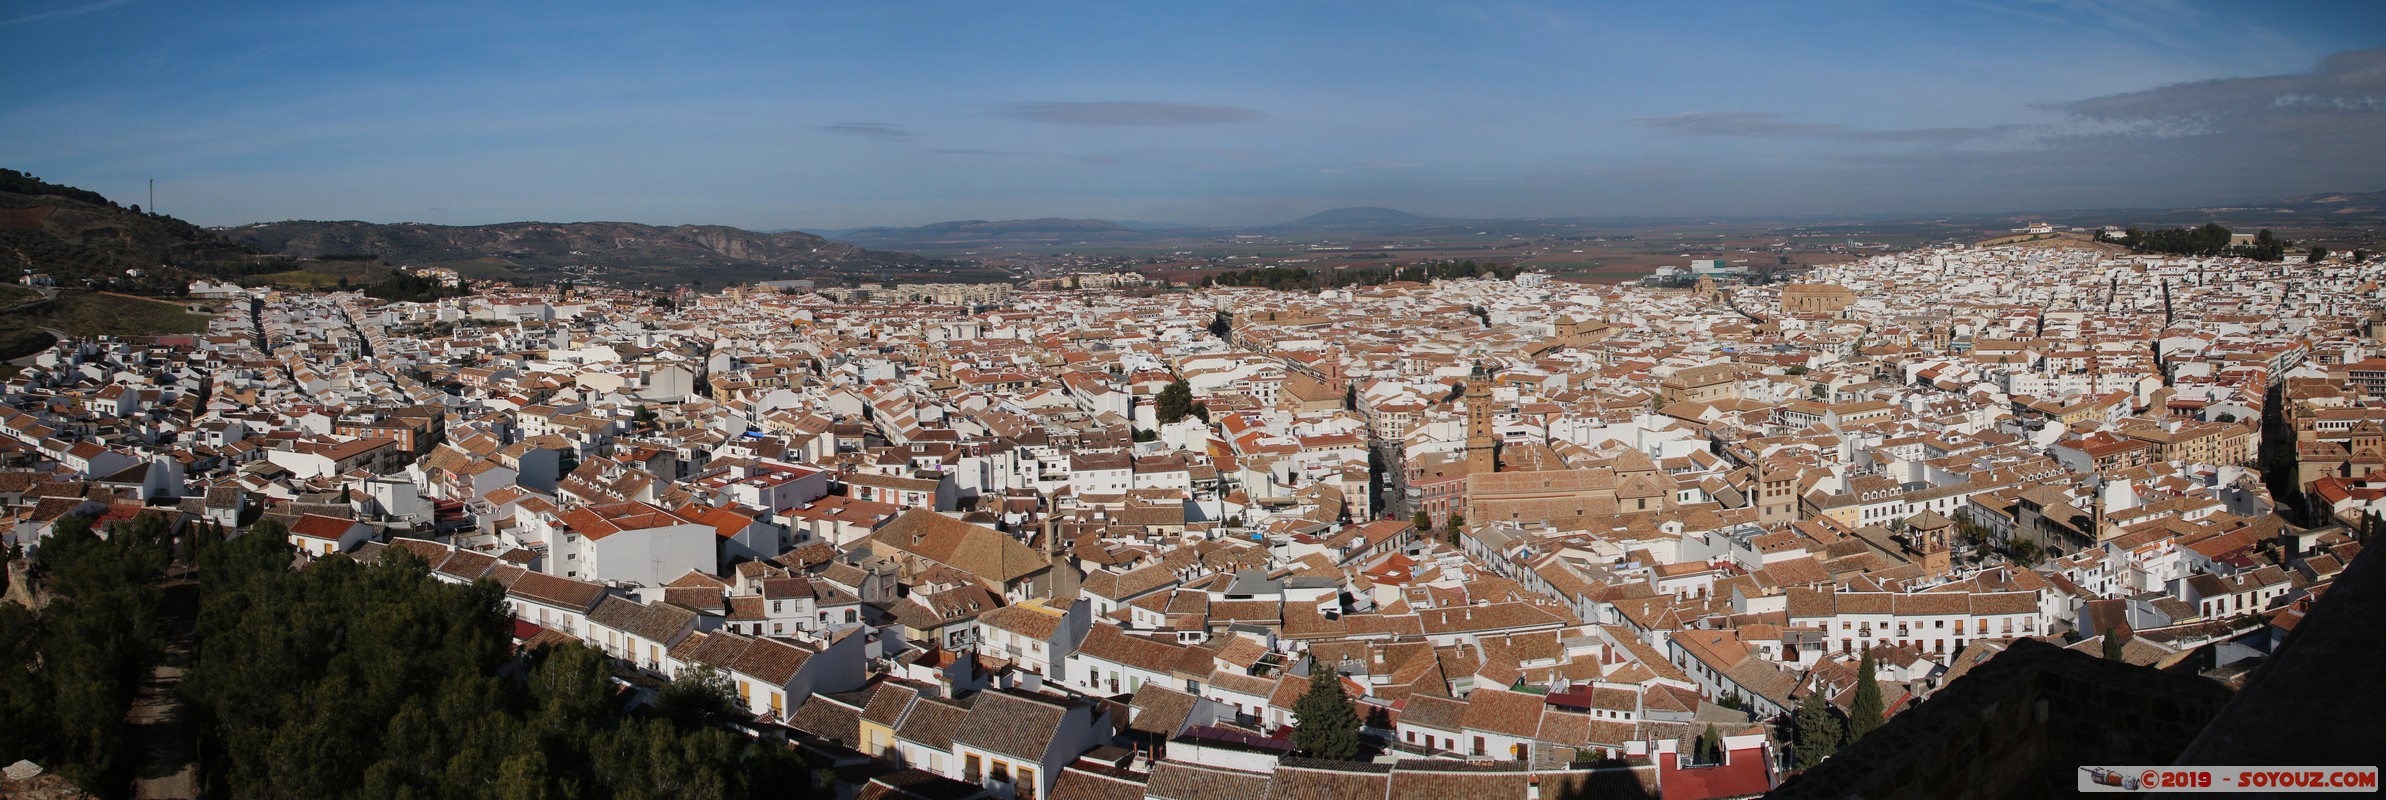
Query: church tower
{"type": "Point", "coordinates": [1482, 454]}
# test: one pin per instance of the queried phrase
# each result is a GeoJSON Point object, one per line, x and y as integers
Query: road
{"type": "Point", "coordinates": [48, 294]}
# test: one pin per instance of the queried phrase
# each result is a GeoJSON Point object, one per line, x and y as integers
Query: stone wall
{"type": "Point", "coordinates": [2020, 726]}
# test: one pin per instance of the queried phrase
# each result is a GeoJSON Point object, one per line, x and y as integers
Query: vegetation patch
{"type": "Point", "coordinates": [340, 679]}
{"type": "Point", "coordinates": [82, 313]}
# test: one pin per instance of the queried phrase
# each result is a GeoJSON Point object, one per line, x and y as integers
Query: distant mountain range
{"type": "Point", "coordinates": [1359, 218]}
{"type": "Point", "coordinates": [82, 238]}
{"type": "Point", "coordinates": [2330, 210]}
{"type": "Point", "coordinates": [2322, 211]}
{"type": "Point", "coordinates": [627, 252]}
{"type": "Point", "coordinates": [596, 243]}
{"type": "Point", "coordinates": [1058, 230]}
{"type": "Point", "coordinates": [1040, 231]}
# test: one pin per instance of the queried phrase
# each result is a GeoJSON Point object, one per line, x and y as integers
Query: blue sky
{"type": "Point", "coordinates": [779, 115]}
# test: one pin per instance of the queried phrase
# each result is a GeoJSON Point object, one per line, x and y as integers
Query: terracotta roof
{"type": "Point", "coordinates": [982, 552]}
{"type": "Point", "coordinates": [317, 526]}
{"type": "Point", "coordinates": [1174, 780]}
{"type": "Point", "coordinates": [932, 722]}
{"type": "Point", "coordinates": [558, 592]}
{"type": "Point", "coordinates": [1511, 713]}
{"type": "Point", "coordinates": [1012, 724]}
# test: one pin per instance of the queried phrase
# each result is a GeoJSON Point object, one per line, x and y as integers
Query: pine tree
{"type": "Point", "coordinates": [1818, 731]}
{"type": "Point", "coordinates": [2113, 646]}
{"type": "Point", "coordinates": [1864, 713]}
{"type": "Point", "coordinates": [1329, 724]}
{"type": "Point", "coordinates": [1710, 745]}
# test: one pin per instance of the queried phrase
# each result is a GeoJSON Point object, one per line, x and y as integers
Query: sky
{"type": "Point", "coordinates": [838, 115]}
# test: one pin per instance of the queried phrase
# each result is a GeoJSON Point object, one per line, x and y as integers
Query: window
{"type": "Point", "coordinates": [777, 606]}
{"type": "Point", "coordinates": [1027, 784]}
{"type": "Point", "coordinates": [969, 768]}
{"type": "Point", "coordinates": [1478, 745]}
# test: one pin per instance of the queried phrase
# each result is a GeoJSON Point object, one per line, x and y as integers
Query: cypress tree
{"type": "Point", "coordinates": [1864, 713]}
{"type": "Point", "coordinates": [1329, 724]}
{"type": "Point", "coordinates": [1818, 731]}
{"type": "Point", "coordinates": [2113, 646]}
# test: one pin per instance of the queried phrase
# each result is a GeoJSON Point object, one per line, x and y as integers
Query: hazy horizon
{"type": "Point", "coordinates": [831, 117]}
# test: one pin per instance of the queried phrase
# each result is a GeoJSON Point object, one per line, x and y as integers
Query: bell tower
{"type": "Point", "coordinates": [1482, 453]}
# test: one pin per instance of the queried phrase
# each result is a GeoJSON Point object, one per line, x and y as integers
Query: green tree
{"type": "Point", "coordinates": [1817, 731]}
{"type": "Point", "coordinates": [2318, 254]}
{"type": "Point", "coordinates": [1865, 711]}
{"type": "Point", "coordinates": [2025, 552]}
{"type": "Point", "coordinates": [2114, 648]}
{"type": "Point", "coordinates": [1710, 745]}
{"type": "Point", "coordinates": [410, 688]}
{"type": "Point", "coordinates": [1329, 723]}
{"type": "Point", "coordinates": [69, 672]}
{"type": "Point", "coordinates": [1421, 521]}
{"type": "Point", "coordinates": [1174, 402]}
{"type": "Point", "coordinates": [697, 697]}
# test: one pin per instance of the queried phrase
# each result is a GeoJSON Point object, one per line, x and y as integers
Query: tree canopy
{"type": "Point", "coordinates": [2208, 239]}
{"type": "Point", "coordinates": [1817, 731]}
{"type": "Point", "coordinates": [1174, 402]}
{"type": "Point", "coordinates": [407, 286]}
{"type": "Point", "coordinates": [1865, 711]}
{"type": "Point", "coordinates": [347, 680]}
{"type": "Point", "coordinates": [69, 672]}
{"type": "Point", "coordinates": [1329, 723]}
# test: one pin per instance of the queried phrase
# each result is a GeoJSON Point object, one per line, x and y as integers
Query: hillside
{"type": "Point", "coordinates": [80, 238]}
{"type": "Point", "coordinates": [623, 252]}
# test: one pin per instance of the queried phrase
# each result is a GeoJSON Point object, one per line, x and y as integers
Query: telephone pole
{"type": "Point", "coordinates": [152, 195]}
